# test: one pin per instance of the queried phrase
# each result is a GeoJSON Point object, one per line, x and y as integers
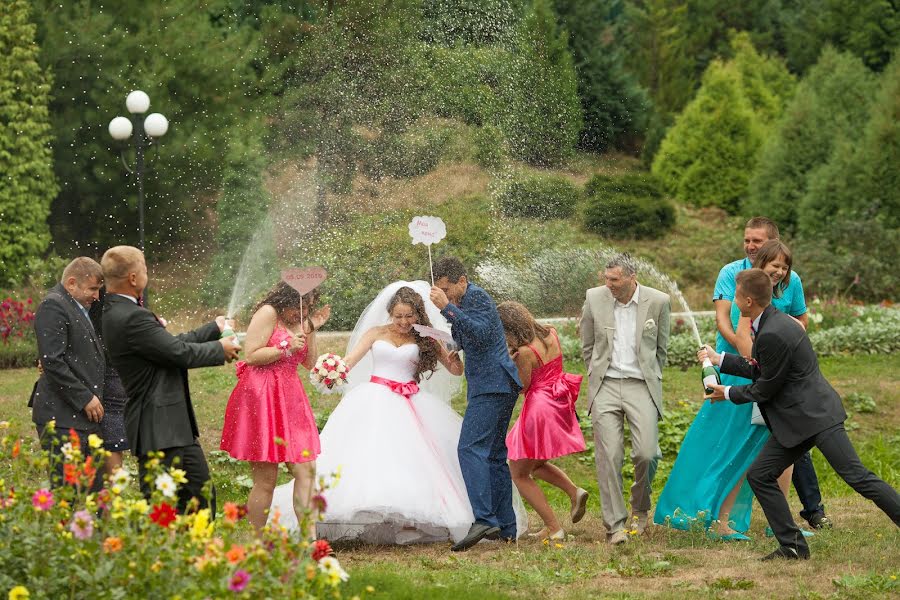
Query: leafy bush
{"type": "Point", "coordinates": [18, 346]}
{"type": "Point", "coordinates": [539, 197]}
{"type": "Point", "coordinates": [140, 545]}
{"type": "Point", "coordinates": [631, 205]}
{"type": "Point", "coordinates": [859, 402]}
{"type": "Point", "coordinates": [489, 147]}
{"type": "Point", "coordinates": [409, 154]}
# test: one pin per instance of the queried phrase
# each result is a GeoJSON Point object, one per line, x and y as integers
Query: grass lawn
{"type": "Point", "coordinates": [859, 558]}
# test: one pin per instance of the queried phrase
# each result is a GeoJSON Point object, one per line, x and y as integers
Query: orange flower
{"type": "Point", "coordinates": [112, 544]}
{"type": "Point", "coordinates": [231, 512]}
{"type": "Point", "coordinates": [16, 447]}
{"type": "Point", "coordinates": [235, 554]}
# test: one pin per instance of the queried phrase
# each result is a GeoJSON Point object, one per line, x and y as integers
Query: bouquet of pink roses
{"type": "Point", "coordinates": [329, 373]}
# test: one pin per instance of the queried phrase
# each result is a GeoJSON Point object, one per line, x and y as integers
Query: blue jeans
{"type": "Point", "coordinates": [807, 485]}
{"type": "Point", "coordinates": [482, 458]}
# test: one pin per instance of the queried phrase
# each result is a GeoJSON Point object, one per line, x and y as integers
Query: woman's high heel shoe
{"type": "Point", "coordinates": [579, 505]}
{"type": "Point", "coordinates": [544, 534]}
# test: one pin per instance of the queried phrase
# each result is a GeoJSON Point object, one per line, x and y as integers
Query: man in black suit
{"type": "Point", "coordinates": [153, 366]}
{"type": "Point", "coordinates": [70, 387]}
{"type": "Point", "coordinates": [799, 406]}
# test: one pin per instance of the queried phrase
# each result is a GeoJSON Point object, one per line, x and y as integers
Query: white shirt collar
{"type": "Point", "coordinates": [132, 298]}
{"type": "Point", "coordinates": [756, 322]}
{"type": "Point", "coordinates": [634, 297]}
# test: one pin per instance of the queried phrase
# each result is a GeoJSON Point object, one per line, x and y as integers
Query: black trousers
{"type": "Point", "coordinates": [53, 443]}
{"type": "Point", "coordinates": [192, 461]}
{"type": "Point", "coordinates": [835, 446]}
{"type": "Point", "coordinates": [807, 485]}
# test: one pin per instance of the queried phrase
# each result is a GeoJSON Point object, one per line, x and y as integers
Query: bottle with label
{"type": "Point", "coordinates": [228, 331]}
{"type": "Point", "coordinates": [710, 376]}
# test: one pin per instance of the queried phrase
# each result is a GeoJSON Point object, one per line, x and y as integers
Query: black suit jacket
{"type": "Point", "coordinates": [153, 366]}
{"type": "Point", "coordinates": [73, 362]}
{"type": "Point", "coordinates": [794, 397]}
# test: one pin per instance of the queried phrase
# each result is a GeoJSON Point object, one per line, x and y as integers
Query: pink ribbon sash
{"type": "Point", "coordinates": [407, 390]}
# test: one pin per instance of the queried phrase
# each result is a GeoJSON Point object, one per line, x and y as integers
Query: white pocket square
{"type": "Point", "coordinates": [649, 324]}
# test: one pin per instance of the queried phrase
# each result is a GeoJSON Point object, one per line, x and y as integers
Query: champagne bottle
{"type": "Point", "coordinates": [710, 375]}
{"type": "Point", "coordinates": [228, 331]}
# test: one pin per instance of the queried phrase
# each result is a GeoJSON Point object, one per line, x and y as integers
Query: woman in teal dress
{"type": "Point", "coordinates": [707, 485]}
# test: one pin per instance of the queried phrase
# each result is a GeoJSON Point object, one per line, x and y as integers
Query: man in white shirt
{"type": "Point", "coordinates": [624, 333]}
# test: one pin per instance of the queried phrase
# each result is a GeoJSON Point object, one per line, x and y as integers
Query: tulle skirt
{"type": "Point", "coordinates": [398, 479]}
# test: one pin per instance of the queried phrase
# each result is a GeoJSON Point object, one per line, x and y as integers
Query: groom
{"type": "Point", "coordinates": [492, 389]}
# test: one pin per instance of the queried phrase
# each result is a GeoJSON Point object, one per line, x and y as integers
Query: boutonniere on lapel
{"type": "Point", "coordinates": [752, 362]}
{"type": "Point", "coordinates": [649, 325]}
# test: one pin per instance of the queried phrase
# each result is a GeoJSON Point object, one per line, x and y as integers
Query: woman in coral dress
{"type": "Point", "coordinates": [268, 419]}
{"type": "Point", "coordinates": [547, 426]}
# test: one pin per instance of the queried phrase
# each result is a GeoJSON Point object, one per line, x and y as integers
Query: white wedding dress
{"type": "Point", "coordinates": [400, 480]}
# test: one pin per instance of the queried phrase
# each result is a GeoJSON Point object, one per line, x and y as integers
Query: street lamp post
{"type": "Point", "coordinates": [147, 131]}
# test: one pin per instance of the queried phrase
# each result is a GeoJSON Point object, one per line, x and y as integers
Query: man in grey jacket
{"type": "Point", "coordinates": [624, 334]}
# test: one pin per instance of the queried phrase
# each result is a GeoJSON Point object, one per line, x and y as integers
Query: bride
{"type": "Point", "coordinates": [393, 436]}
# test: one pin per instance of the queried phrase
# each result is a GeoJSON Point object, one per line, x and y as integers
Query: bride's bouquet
{"type": "Point", "coordinates": [329, 373]}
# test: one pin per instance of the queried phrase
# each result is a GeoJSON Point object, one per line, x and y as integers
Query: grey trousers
{"type": "Point", "coordinates": [617, 400]}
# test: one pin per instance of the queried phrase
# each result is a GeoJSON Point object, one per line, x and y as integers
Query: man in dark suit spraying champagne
{"type": "Point", "coordinates": [153, 366]}
{"type": "Point", "coordinates": [799, 406]}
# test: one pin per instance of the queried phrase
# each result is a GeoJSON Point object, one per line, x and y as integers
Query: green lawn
{"type": "Point", "coordinates": [859, 558]}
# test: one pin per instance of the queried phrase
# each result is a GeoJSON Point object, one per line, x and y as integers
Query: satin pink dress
{"type": "Point", "coordinates": [268, 418]}
{"type": "Point", "coordinates": [547, 427]}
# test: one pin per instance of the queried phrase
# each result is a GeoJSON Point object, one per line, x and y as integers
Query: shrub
{"type": "Point", "coordinates": [140, 545]}
{"type": "Point", "coordinates": [18, 346]}
{"type": "Point", "coordinates": [539, 197]}
{"type": "Point", "coordinates": [628, 206]}
{"type": "Point", "coordinates": [409, 154]}
{"type": "Point", "coordinates": [489, 147]}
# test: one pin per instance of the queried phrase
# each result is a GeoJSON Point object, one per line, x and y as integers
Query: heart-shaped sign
{"type": "Point", "coordinates": [305, 279]}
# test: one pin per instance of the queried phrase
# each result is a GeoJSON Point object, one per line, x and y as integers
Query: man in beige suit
{"type": "Point", "coordinates": [624, 333]}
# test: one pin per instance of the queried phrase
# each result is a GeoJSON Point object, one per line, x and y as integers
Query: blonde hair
{"type": "Point", "coordinates": [82, 268]}
{"type": "Point", "coordinates": [120, 261]}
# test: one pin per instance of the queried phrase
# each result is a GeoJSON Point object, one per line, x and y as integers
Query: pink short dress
{"type": "Point", "coordinates": [547, 427]}
{"type": "Point", "coordinates": [268, 418]}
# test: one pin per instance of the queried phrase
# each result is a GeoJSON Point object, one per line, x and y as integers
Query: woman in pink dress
{"type": "Point", "coordinates": [268, 419]}
{"type": "Point", "coordinates": [547, 426]}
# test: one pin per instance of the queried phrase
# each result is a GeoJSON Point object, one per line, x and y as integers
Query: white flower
{"type": "Point", "coordinates": [68, 451]}
{"type": "Point", "coordinates": [120, 477]}
{"type": "Point", "coordinates": [342, 368]}
{"type": "Point", "coordinates": [649, 324]}
{"type": "Point", "coordinates": [166, 485]}
{"type": "Point", "coordinates": [330, 565]}
{"type": "Point", "coordinates": [332, 375]}
{"type": "Point", "coordinates": [331, 362]}
{"type": "Point", "coordinates": [323, 372]}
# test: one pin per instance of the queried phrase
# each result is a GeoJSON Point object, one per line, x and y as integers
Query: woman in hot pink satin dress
{"type": "Point", "coordinates": [547, 426]}
{"type": "Point", "coordinates": [268, 419]}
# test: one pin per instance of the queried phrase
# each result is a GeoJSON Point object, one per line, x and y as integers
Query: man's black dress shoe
{"type": "Point", "coordinates": [787, 553]}
{"type": "Point", "coordinates": [819, 521]}
{"type": "Point", "coordinates": [476, 532]}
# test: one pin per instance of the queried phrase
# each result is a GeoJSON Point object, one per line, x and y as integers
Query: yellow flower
{"type": "Point", "coordinates": [370, 589]}
{"type": "Point", "coordinates": [5, 425]}
{"type": "Point", "coordinates": [63, 504]}
{"type": "Point", "coordinates": [178, 475]}
{"type": "Point", "coordinates": [201, 528]}
{"type": "Point", "coordinates": [558, 545]}
{"type": "Point", "coordinates": [20, 592]}
{"type": "Point", "coordinates": [156, 567]}
{"type": "Point", "coordinates": [310, 572]}
{"type": "Point", "coordinates": [305, 454]}
{"type": "Point", "coordinates": [546, 542]}
{"type": "Point", "coordinates": [95, 441]}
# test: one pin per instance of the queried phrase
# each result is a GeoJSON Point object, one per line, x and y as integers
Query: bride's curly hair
{"type": "Point", "coordinates": [427, 347]}
{"type": "Point", "coordinates": [283, 297]}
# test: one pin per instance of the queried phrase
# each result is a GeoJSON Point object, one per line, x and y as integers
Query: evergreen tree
{"type": "Point", "coordinates": [852, 206]}
{"type": "Point", "coordinates": [831, 105]}
{"type": "Point", "coordinates": [544, 115]}
{"type": "Point", "coordinates": [710, 152]}
{"type": "Point", "coordinates": [614, 105]}
{"type": "Point", "coordinates": [27, 185]}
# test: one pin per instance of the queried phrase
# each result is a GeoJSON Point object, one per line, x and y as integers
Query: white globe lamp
{"type": "Point", "coordinates": [120, 128]}
{"type": "Point", "coordinates": [156, 125]}
{"type": "Point", "coordinates": [137, 102]}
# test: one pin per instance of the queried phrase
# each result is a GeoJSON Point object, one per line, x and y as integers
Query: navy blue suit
{"type": "Point", "coordinates": [492, 389]}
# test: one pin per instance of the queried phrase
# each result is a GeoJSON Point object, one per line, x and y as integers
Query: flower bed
{"type": "Point", "coordinates": [18, 347]}
{"type": "Point", "coordinates": [65, 542]}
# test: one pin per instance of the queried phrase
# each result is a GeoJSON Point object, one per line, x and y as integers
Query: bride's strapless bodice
{"type": "Point", "coordinates": [394, 363]}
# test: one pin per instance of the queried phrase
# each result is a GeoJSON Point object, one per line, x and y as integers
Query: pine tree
{"type": "Point", "coordinates": [831, 105]}
{"type": "Point", "coordinates": [27, 183]}
{"type": "Point", "coordinates": [711, 151]}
